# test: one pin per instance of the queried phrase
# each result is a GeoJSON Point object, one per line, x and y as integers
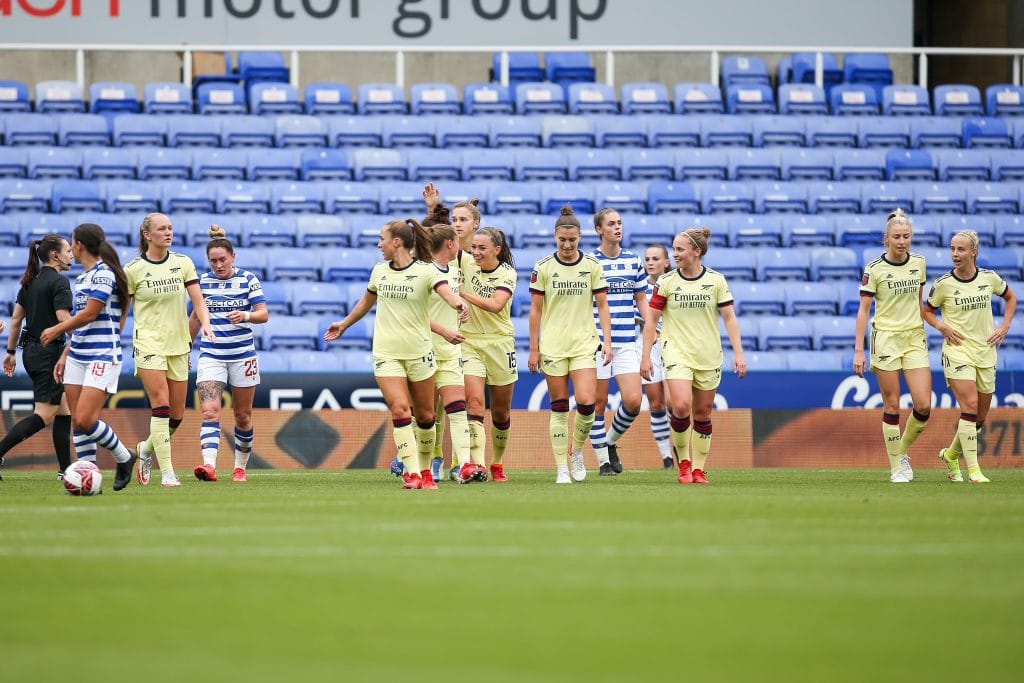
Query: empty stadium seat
{"type": "Point", "coordinates": [107, 162]}
{"type": "Point", "coordinates": [986, 132]}
{"type": "Point", "coordinates": [538, 164]}
{"type": "Point", "coordinates": [555, 195]}
{"type": "Point", "coordinates": [273, 164]}
{"type": "Point", "coordinates": [985, 226]}
{"type": "Point", "coordinates": [758, 298]}
{"type": "Point", "coordinates": [14, 97]}
{"type": "Point", "coordinates": [435, 98]}
{"type": "Point", "coordinates": [113, 96]}
{"type": "Point", "coordinates": [321, 231]}
{"type": "Point", "coordinates": [958, 100]}
{"type": "Point", "coordinates": [1004, 99]}
{"type": "Point", "coordinates": [569, 67]}
{"type": "Point", "coordinates": [296, 197]}
{"type": "Point", "coordinates": [832, 131]}
{"type": "Point", "coordinates": [749, 98]}
{"type": "Point", "coordinates": [698, 98]}
{"type": "Point", "coordinates": [671, 131]}
{"type": "Point", "coordinates": [788, 198]}
{"type": "Point", "coordinates": [318, 298]}
{"type": "Point", "coordinates": [993, 198]}
{"type": "Point", "coordinates": [784, 334]}
{"type": "Point", "coordinates": [567, 131]}
{"type": "Point", "coordinates": [726, 131]}
{"type": "Point", "coordinates": [624, 196]}
{"type": "Point", "coordinates": [194, 131]}
{"type": "Point", "coordinates": [346, 197]}
{"type": "Point", "coordinates": [963, 164]}
{"type": "Point", "coordinates": [853, 99]}
{"type": "Point", "coordinates": [648, 164]}
{"type": "Point", "coordinates": [137, 129]}
{"type": "Point", "coordinates": [261, 65]}
{"type": "Point", "coordinates": [300, 131]}
{"type": "Point", "coordinates": [939, 198]}
{"type": "Point", "coordinates": [30, 129]}
{"type": "Point", "coordinates": [742, 70]}
{"type": "Point", "coordinates": [754, 231]}
{"type": "Point", "coordinates": [800, 231]}
{"type": "Point", "coordinates": [749, 328]}
{"type": "Point", "coordinates": [909, 164]}
{"type": "Point", "coordinates": [540, 98]}
{"type": "Point", "coordinates": [218, 164]}
{"type": "Point", "coordinates": [812, 298]}
{"type": "Point", "coordinates": [408, 131]}
{"type": "Point", "coordinates": [179, 196]}
{"type": "Point", "coordinates": [905, 100]}
{"type": "Point", "coordinates": [779, 131]}
{"type": "Point", "coordinates": [76, 195]}
{"type": "Point", "coordinates": [514, 131]}
{"type": "Point", "coordinates": [290, 332]}
{"type": "Point", "coordinates": [935, 131]}
{"type": "Point", "coordinates": [274, 98]}
{"type": "Point", "coordinates": [645, 98]}
{"type": "Point", "coordinates": [883, 197]}
{"type": "Point", "coordinates": [593, 164]}
{"type": "Point", "coordinates": [883, 132]}
{"type": "Point", "coordinates": [592, 98]}
{"type": "Point", "coordinates": [160, 163]}
{"type": "Point", "coordinates": [754, 164]}
{"type": "Point", "coordinates": [834, 263]}
{"type": "Point", "coordinates": [672, 197]}
{"type": "Point", "coordinates": [220, 98]}
{"type": "Point", "coordinates": [486, 98]}
{"type": "Point", "coordinates": [735, 264]}
{"type": "Point", "coordinates": [870, 68]}
{"type": "Point", "coordinates": [54, 162]}
{"type": "Point", "coordinates": [806, 164]}
{"type": "Point", "coordinates": [838, 332]}
{"type": "Point", "coordinates": [167, 98]}
{"type": "Point", "coordinates": [59, 96]}
{"type": "Point", "coordinates": [522, 66]}
{"type": "Point", "coordinates": [802, 98]}
{"type": "Point", "coordinates": [381, 98]}
{"type": "Point", "coordinates": [726, 197]}
{"type": "Point", "coordinates": [131, 196]}
{"type": "Point", "coordinates": [329, 98]}
{"type": "Point", "coordinates": [243, 197]}
{"type": "Point", "coordinates": [82, 129]}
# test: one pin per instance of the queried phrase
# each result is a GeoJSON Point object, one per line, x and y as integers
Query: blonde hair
{"type": "Point", "coordinates": [972, 238]}
{"type": "Point", "coordinates": [144, 228]}
{"type": "Point", "coordinates": [699, 238]}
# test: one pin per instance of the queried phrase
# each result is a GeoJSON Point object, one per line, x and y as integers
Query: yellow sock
{"type": "Point", "coordinates": [681, 430]}
{"type": "Point", "coordinates": [458, 427]}
{"type": "Point", "coordinates": [702, 445]}
{"type": "Point", "coordinates": [891, 434]}
{"type": "Point", "coordinates": [914, 427]}
{"type": "Point", "coordinates": [558, 430]}
{"type": "Point", "coordinates": [967, 432]}
{"type": "Point", "coordinates": [405, 441]}
{"type": "Point", "coordinates": [955, 450]}
{"type": "Point", "coordinates": [425, 444]}
{"type": "Point", "coordinates": [439, 431]}
{"type": "Point", "coordinates": [499, 440]}
{"type": "Point", "coordinates": [160, 443]}
{"type": "Point", "coordinates": [581, 427]}
{"type": "Point", "coordinates": [477, 444]}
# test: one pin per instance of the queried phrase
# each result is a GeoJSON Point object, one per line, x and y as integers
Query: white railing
{"type": "Point", "coordinates": [1015, 55]}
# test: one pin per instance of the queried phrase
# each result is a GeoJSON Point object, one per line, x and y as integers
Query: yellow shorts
{"type": "Point", "coordinates": [678, 369]}
{"type": "Point", "coordinates": [495, 361]}
{"type": "Point", "coordinates": [560, 367]}
{"type": "Point", "coordinates": [413, 369]}
{"type": "Point", "coordinates": [176, 367]}
{"type": "Point", "coordinates": [904, 350]}
{"type": "Point", "coordinates": [985, 378]}
{"type": "Point", "coordinates": [449, 373]}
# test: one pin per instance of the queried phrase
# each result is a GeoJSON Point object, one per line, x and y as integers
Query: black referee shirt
{"type": "Point", "coordinates": [44, 296]}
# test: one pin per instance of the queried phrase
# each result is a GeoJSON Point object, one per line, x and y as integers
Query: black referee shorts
{"type": "Point", "coordinates": [39, 361]}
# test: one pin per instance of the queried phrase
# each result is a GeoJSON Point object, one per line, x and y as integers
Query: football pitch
{"type": "Point", "coordinates": [783, 575]}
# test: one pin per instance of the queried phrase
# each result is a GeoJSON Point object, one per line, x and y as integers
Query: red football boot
{"type": "Point", "coordinates": [699, 477]}
{"type": "Point", "coordinates": [498, 473]}
{"type": "Point", "coordinates": [428, 480]}
{"type": "Point", "coordinates": [412, 481]}
{"type": "Point", "coordinates": [685, 473]}
{"type": "Point", "coordinates": [206, 473]}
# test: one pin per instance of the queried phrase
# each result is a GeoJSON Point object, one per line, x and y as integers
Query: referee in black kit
{"type": "Point", "coordinates": [43, 301]}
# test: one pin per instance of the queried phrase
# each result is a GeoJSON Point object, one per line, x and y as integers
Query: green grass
{"type": "Point", "coordinates": [325, 576]}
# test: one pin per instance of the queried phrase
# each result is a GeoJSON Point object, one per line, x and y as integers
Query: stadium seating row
{"type": "Point", "coordinates": [625, 163]}
{"type": "Point", "coordinates": [497, 197]}
{"type": "Point", "coordinates": [594, 130]}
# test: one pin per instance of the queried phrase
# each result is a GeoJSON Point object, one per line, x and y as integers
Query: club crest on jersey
{"type": "Point", "coordinates": [583, 273]}
{"type": "Point", "coordinates": [913, 271]}
{"type": "Point", "coordinates": [706, 287]}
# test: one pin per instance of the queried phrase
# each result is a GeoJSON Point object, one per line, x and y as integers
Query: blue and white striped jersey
{"type": "Point", "coordinates": [100, 340]}
{"type": "Point", "coordinates": [626, 276]}
{"type": "Point", "coordinates": [240, 292]}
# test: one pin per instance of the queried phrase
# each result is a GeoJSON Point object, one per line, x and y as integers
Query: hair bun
{"type": "Point", "coordinates": [474, 202]}
{"type": "Point", "coordinates": [217, 232]}
{"type": "Point", "coordinates": [706, 232]}
{"type": "Point", "coordinates": [441, 214]}
{"type": "Point", "coordinates": [567, 211]}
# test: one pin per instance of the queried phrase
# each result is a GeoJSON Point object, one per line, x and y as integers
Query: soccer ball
{"type": "Point", "coordinates": [83, 478]}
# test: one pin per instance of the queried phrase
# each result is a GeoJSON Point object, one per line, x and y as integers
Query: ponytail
{"type": "Point", "coordinates": [500, 241]}
{"type": "Point", "coordinates": [94, 241]}
{"type": "Point", "coordinates": [39, 251]}
{"type": "Point", "coordinates": [414, 237]}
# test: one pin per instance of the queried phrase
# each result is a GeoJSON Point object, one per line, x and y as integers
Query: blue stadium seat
{"type": "Point", "coordinates": [853, 99]}
{"type": "Point", "coordinates": [329, 98]}
{"type": "Point", "coordinates": [359, 337]}
{"type": "Point", "coordinates": [162, 163]}
{"type": "Point", "coordinates": [665, 196]}
{"type": "Point", "coordinates": [569, 67]}
{"type": "Point", "coordinates": [802, 231]}
{"type": "Point", "coordinates": [1011, 359]}
{"type": "Point", "coordinates": [522, 66]}
{"type": "Point", "coordinates": [273, 164]}
{"type": "Point", "coordinates": [247, 131]}
{"type": "Point", "coordinates": [1015, 338]}
{"type": "Point", "coordinates": [719, 226]}
{"type": "Point", "coordinates": [758, 298]}
{"type": "Point", "coordinates": [859, 230]}
{"type": "Point", "coordinates": [59, 96]}
{"type": "Point", "coordinates": [348, 265]}
{"type": "Point", "coordinates": [833, 197]}
{"type": "Point", "coordinates": [624, 196]}
{"type": "Point", "coordinates": [986, 132]}
{"type": "Point", "coordinates": [179, 196]}
{"type": "Point", "coordinates": [883, 197]}
{"type": "Point", "coordinates": [435, 98]}
{"type": "Point", "coordinates": [521, 331]}
{"type": "Point", "coordinates": [834, 263]}
{"type": "Point", "coordinates": [555, 195]}
{"type": "Point", "coordinates": [271, 362]}
{"type": "Point", "coordinates": [811, 298]}
{"type": "Point", "coordinates": [378, 164]}
{"type": "Point", "coordinates": [514, 131]}
{"type": "Point", "coordinates": [648, 164]}
{"type": "Point", "coordinates": [532, 232]}
{"type": "Point", "coordinates": [831, 131]}
{"type": "Point", "coordinates": [779, 131]}
{"type": "Point", "coordinates": [993, 198]}
{"type": "Point", "coordinates": [35, 225]}
{"type": "Point", "coordinates": [402, 198]}
{"type": "Point", "coordinates": [539, 164]}
{"type": "Point", "coordinates": [14, 97]}
{"type": "Point", "coordinates": [870, 68]}
{"type": "Point", "coordinates": [932, 197]}
{"type": "Point", "coordinates": [12, 266]}
{"type": "Point", "coordinates": [749, 99]}
{"type": "Point", "coordinates": [963, 164]}
{"type": "Point", "coordinates": [909, 164]}
{"type": "Point", "coordinates": [274, 98]}
{"type": "Point", "coordinates": [642, 230]}
{"type": "Point", "coordinates": [774, 197]}
{"type": "Point", "coordinates": [1004, 99]}
{"type": "Point", "coordinates": [287, 196]}
{"type": "Point", "coordinates": [487, 164]}
{"type": "Point", "coordinates": [540, 98]}
{"type": "Point", "coordinates": [290, 332]}
{"type": "Point", "coordinates": [592, 98]}
{"type": "Point", "coordinates": [76, 195]}
{"type": "Point", "coordinates": [619, 131]}
{"type": "Point", "coordinates": [749, 328]}
{"type": "Point", "coordinates": [75, 130]}
{"type": "Point", "coordinates": [985, 226]}
{"type": "Point", "coordinates": [784, 334]}
{"type": "Point", "coordinates": [593, 164]}
{"type": "Point", "coordinates": [218, 164]}
{"type": "Point", "coordinates": [802, 98]}
{"type": "Point", "coordinates": [754, 164]}
{"type": "Point", "coordinates": [672, 131]}
{"type": "Point", "coordinates": [726, 197]}
{"type": "Point", "coordinates": [317, 231]}
{"type": "Point", "coordinates": [131, 196]}
{"type": "Point", "coordinates": [958, 100]}
{"type": "Point", "coordinates": [804, 66]}
{"type": "Point", "coordinates": [567, 131]}
{"type": "Point", "coordinates": [834, 333]}
{"type": "Point", "coordinates": [167, 98]}
{"type": "Point", "coordinates": [194, 229]}
{"type": "Point", "coordinates": [754, 231]}
{"type": "Point", "coordinates": [935, 131]}
{"type": "Point", "coordinates": [744, 70]}
{"type": "Point", "coordinates": [408, 131]}
{"type": "Point", "coordinates": [355, 360]}
{"type": "Point", "coordinates": [884, 132]}
{"type": "Point", "coordinates": [726, 131]}
{"type": "Point", "coordinates": [462, 131]}
{"type": "Point", "coordinates": [736, 265]}
{"type": "Point", "coordinates": [220, 98]}
{"type": "Point", "coordinates": [300, 131]}
{"type": "Point", "coordinates": [820, 361]}
{"type": "Point", "coordinates": [1016, 131]}
{"type": "Point", "coordinates": [318, 298]}
{"type": "Point", "coordinates": [434, 164]}
{"type": "Point", "coordinates": [314, 361]}
{"type": "Point", "coordinates": [120, 229]}
{"type": "Point", "coordinates": [235, 196]}
{"type": "Point", "coordinates": [905, 100]}
{"type": "Point", "coordinates": [782, 264]}
{"type": "Point", "coordinates": [346, 197]}
{"type": "Point", "coordinates": [113, 96]}
{"type": "Point", "coordinates": [698, 98]}
{"type": "Point", "coordinates": [486, 98]}
{"type": "Point", "coordinates": [806, 164]}
{"type": "Point", "coordinates": [135, 129]}
{"type": "Point", "coordinates": [381, 98]}
{"type": "Point", "coordinates": [54, 162]}
{"type": "Point", "coordinates": [1006, 262]}
{"type": "Point", "coordinates": [293, 264]}
{"type": "Point", "coordinates": [1007, 165]}
{"type": "Point", "coordinates": [1009, 231]}
{"type": "Point", "coordinates": [259, 65]}
{"type": "Point", "coordinates": [194, 131]}
{"type": "Point", "coordinates": [324, 164]}
{"type": "Point", "coordinates": [14, 162]}
{"type": "Point", "coordinates": [30, 129]}
{"type": "Point", "coordinates": [355, 131]}
{"type": "Point", "coordinates": [645, 98]}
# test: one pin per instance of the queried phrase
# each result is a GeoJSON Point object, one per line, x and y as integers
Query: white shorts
{"type": "Point", "coordinates": [235, 373]}
{"type": "Point", "coordinates": [97, 374]}
{"type": "Point", "coordinates": [625, 360]}
{"type": "Point", "coordinates": [659, 371]}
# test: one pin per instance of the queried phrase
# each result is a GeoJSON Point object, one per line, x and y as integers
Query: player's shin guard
{"type": "Point", "coordinates": [891, 434]}
{"type": "Point", "coordinates": [915, 425]}
{"type": "Point", "coordinates": [500, 432]}
{"type": "Point", "coordinates": [243, 446]}
{"type": "Point", "coordinates": [405, 442]}
{"type": "Point", "coordinates": [458, 426]}
{"type": "Point", "coordinates": [209, 442]}
{"type": "Point", "coordinates": [681, 430]}
{"type": "Point", "coordinates": [581, 428]}
{"type": "Point", "coordinates": [558, 430]}
{"type": "Point", "coordinates": [425, 443]}
{"type": "Point", "coordinates": [702, 445]}
{"type": "Point", "coordinates": [967, 433]}
{"type": "Point", "coordinates": [477, 440]}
